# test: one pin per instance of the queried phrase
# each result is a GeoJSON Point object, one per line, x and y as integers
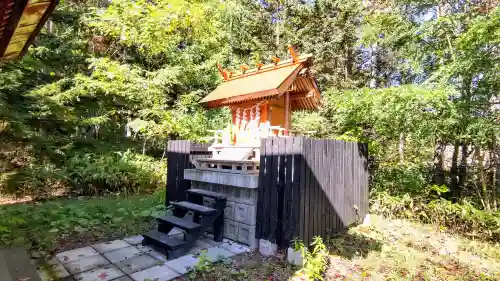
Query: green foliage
{"type": "Point", "coordinates": [461, 217]}
{"type": "Point", "coordinates": [123, 172]}
{"type": "Point", "coordinates": [42, 226]}
{"type": "Point", "coordinates": [315, 261]}
{"type": "Point", "coordinates": [202, 267]}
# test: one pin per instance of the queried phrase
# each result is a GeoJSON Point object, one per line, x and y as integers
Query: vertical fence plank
{"type": "Point", "coordinates": [261, 211]}
{"type": "Point", "coordinates": [297, 170]}
{"type": "Point", "coordinates": [274, 189]}
{"type": "Point", "coordinates": [302, 186]}
{"type": "Point", "coordinates": [288, 193]}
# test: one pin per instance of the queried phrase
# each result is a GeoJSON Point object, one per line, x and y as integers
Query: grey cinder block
{"type": "Point", "coordinates": [229, 210]}
{"type": "Point", "coordinates": [231, 229]}
{"type": "Point", "coordinates": [246, 234]}
{"type": "Point", "coordinates": [245, 213]}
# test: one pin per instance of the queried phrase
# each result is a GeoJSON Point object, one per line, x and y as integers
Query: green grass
{"type": "Point", "coordinates": [51, 226]}
{"type": "Point", "coordinates": [401, 250]}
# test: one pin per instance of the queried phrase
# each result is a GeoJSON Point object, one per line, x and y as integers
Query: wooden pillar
{"type": "Point", "coordinates": [287, 112]}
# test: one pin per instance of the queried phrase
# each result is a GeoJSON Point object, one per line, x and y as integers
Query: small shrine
{"type": "Point", "coordinates": [261, 101]}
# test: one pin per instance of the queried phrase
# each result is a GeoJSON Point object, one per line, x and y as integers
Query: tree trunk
{"type": "Point", "coordinates": [401, 148]}
{"type": "Point", "coordinates": [438, 173]}
{"type": "Point", "coordinates": [454, 171]}
{"type": "Point", "coordinates": [481, 178]}
{"type": "Point", "coordinates": [462, 171]}
{"type": "Point", "coordinates": [495, 169]}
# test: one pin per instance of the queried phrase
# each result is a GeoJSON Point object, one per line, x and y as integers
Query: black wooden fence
{"type": "Point", "coordinates": [307, 187]}
{"type": "Point", "coordinates": [179, 156]}
{"type": "Point", "coordinates": [310, 187]}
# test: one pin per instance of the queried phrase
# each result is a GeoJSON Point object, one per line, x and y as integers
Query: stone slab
{"type": "Point", "coordinates": [137, 263]}
{"type": "Point", "coordinates": [122, 254]}
{"type": "Point", "coordinates": [183, 264]}
{"type": "Point", "coordinates": [157, 273]}
{"type": "Point", "coordinates": [198, 246]}
{"type": "Point", "coordinates": [144, 249]}
{"type": "Point", "coordinates": [239, 180]}
{"type": "Point", "coordinates": [106, 273]}
{"type": "Point", "coordinates": [53, 270]}
{"type": "Point", "coordinates": [216, 253]}
{"type": "Point", "coordinates": [209, 239]}
{"type": "Point", "coordinates": [76, 254]}
{"type": "Point", "coordinates": [123, 278]}
{"type": "Point", "coordinates": [158, 255]}
{"type": "Point", "coordinates": [134, 240]}
{"type": "Point", "coordinates": [110, 246]}
{"type": "Point", "coordinates": [235, 248]}
{"type": "Point", "coordinates": [85, 264]}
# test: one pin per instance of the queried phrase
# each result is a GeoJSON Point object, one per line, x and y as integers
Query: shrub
{"type": "Point", "coordinates": [461, 217]}
{"type": "Point", "coordinates": [127, 171]}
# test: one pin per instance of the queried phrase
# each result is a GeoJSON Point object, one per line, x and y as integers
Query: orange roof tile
{"type": "Point", "coordinates": [268, 82]}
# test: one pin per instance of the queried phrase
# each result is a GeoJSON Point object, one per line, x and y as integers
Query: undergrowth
{"type": "Point", "coordinates": [461, 217]}
{"type": "Point", "coordinates": [47, 227]}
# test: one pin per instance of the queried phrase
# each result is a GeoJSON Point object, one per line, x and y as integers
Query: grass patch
{"type": "Point", "coordinates": [52, 226]}
{"type": "Point", "coordinates": [401, 250]}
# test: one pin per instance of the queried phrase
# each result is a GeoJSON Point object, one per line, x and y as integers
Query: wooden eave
{"type": "Point", "coordinates": [20, 23]}
{"type": "Point", "coordinates": [269, 82]}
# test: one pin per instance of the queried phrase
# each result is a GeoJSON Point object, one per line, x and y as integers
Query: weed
{"type": "Point", "coordinates": [202, 267]}
{"type": "Point", "coordinates": [315, 261]}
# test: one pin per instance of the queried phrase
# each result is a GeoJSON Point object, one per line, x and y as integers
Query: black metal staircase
{"type": "Point", "coordinates": [193, 218]}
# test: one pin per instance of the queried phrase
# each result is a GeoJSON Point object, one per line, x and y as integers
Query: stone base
{"type": "Point", "coordinates": [240, 215]}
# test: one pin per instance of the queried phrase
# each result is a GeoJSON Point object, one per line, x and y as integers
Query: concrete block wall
{"type": "Point", "coordinates": [240, 213]}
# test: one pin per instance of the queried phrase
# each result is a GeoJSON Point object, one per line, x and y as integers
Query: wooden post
{"type": "Point", "coordinates": [287, 113]}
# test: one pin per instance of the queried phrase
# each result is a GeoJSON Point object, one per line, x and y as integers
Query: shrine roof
{"type": "Point", "coordinates": [20, 23]}
{"type": "Point", "coordinates": [267, 82]}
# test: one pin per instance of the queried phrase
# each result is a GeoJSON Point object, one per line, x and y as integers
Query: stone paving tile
{"type": "Point", "coordinates": [144, 249]}
{"type": "Point", "coordinates": [110, 246]}
{"type": "Point", "coordinates": [209, 238]}
{"type": "Point", "coordinates": [76, 254]}
{"type": "Point", "coordinates": [106, 273]}
{"type": "Point", "coordinates": [158, 255]}
{"type": "Point", "coordinates": [122, 254]}
{"type": "Point", "coordinates": [53, 270]}
{"type": "Point", "coordinates": [157, 273]}
{"type": "Point", "coordinates": [69, 278]}
{"type": "Point", "coordinates": [85, 264]}
{"type": "Point", "coordinates": [183, 264]}
{"type": "Point", "coordinates": [217, 252]}
{"type": "Point", "coordinates": [123, 278]}
{"type": "Point", "coordinates": [199, 245]}
{"type": "Point", "coordinates": [134, 240]}
{"type": "Point", "coordinates": [137, 263]}
{"type": "Point", "coordinates": [235, 247]}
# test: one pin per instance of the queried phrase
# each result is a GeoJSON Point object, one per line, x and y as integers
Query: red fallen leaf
{"type": "Point", "coordinates": [103, 275]}
{"type": "Point", "coordinates": [270, 278]}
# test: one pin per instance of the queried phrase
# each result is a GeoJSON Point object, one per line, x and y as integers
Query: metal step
{"type": "Point", "coordinates": [205, 193]}
{"type": "Point", "coordinates": [181, 223]}
{"type": "Point", "coordinates": [200, 209]}
{"type": "Point", "coordinates": [162, 240]}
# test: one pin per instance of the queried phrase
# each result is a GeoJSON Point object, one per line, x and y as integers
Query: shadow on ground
{"type": "Point", "coordinates": [351, 245]}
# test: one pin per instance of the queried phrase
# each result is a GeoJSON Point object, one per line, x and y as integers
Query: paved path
{"type": "Point", "coordinates": [127, 260]}
{"type": "Point", "coordinates": [15, 265]}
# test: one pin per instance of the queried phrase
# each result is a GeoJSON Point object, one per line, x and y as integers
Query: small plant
{"type": "Point", "coordinates": [315, 262]}
{"type": "Point", "coordinates": [202, 267]}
